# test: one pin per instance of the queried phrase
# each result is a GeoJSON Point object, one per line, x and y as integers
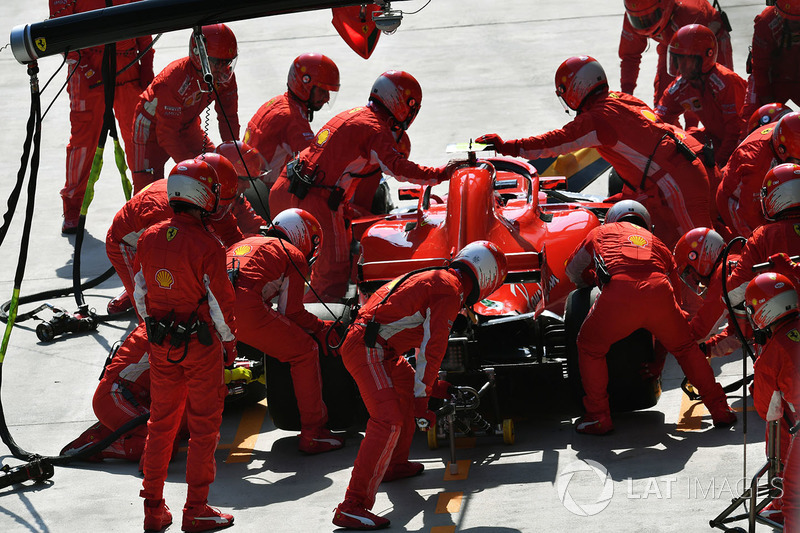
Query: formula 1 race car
{"type": "Point", "coordinates": [522, 337]}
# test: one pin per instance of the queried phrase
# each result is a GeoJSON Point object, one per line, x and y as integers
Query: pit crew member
{"type": "Point", "coordinates": [637, 292]}
{"type": "Point", "coordinates": [656, 161]}
{"type": "Point", "coordinates": [659, 20]}
{"type": "Point", "coordinates": [187, 302]}
{"type": "Point", "coordinates": [280, 128]}
{"type": "Point", "coordinates": [167, 118]}
{"type": "Point", "coordinates": [274, 268]}
{"type": "Point", "coordinates": [358, 144]}
{"type": "Point", "coordinates": [771, 302]}
{"type": "Point", "coordinates": [414, 311]}
{"type": "Point", "coordinates": [738, 197]}
{"type": "Point", "coordinates": [249, 164]}
{"type": "Point", "coordinates": [87, 102]}
{"type": "Point", "coordinates": [713, 92]}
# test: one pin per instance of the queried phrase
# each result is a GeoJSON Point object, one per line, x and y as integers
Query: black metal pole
{"type": "Point", "coordinates": [147, 17]}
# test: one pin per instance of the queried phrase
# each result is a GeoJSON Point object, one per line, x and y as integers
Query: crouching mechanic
{"type": "Point", "coordinates": [772, 306]}
{"type": "Point", "coordinates": [414, 311]}
{"type": "Point", "coordinates": [276, 266]}
{"type": "Point", "coordinates": [187, 302]}
{"type": "Point", "coordinates": [636, 292]}
{"type": "Point", "coordinates": [698, 257]}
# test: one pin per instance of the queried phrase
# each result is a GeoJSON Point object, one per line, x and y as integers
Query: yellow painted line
{"type": "Point", "coordinates": [449, 502]}
{"type": "Point", "coordinates": [463, 470]}
{"type": "Point", "coordinates": [247, 435]}
{"type": "Point", "coordinates": [443, 529]}
{"type": "Point", "coordinates": [692, 413]}
{"type": "Point", "coordinates": [750, 408]}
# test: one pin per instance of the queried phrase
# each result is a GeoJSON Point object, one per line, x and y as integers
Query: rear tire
{"type": "Point", "coordinates": [627, 390]}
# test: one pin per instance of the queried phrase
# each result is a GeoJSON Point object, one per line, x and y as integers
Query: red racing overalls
{"type": "Point", "coordinates": [167, 120]}
{"type": "Point", "coordinates": [354, 145]}
{"type": "Point", "coordinates": [181, 272]}
{"type": "Point", "coordinates": [418, 314]}
{"type": "Point", "coordinates": [639, 295]}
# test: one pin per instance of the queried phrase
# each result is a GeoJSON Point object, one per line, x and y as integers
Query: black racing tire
{"type": "Point", "coordinates": [627, 389]}
{"type": "Point", "coordinates": [258, 196]}
{"type": "Point", "coordinates": [615, 184]}
{"type": "Point", "coordinates": [339, 392]}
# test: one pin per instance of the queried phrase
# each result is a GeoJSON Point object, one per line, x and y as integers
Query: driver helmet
{"type": "Point", "coordinates": [649, 17]}
{"type": "Point", "coordinates": [786, 138]}
{"type": "Point", "coordinates": [696, 254]}
{"type": "Point", "coordinates": [221, 49]}
{"type": "Point", "coordinates": [193, 183]}
{"type": "Point", "coordinates": [487, 266]}
{"type": "Point", "coordinates": [629, 211]}
{"type": "Point", "coordinates": [400, 93]}
{"type": "Point", "coordinates": [766, 114]}
{"type": "Point", "coordinates": [301, 229]}
{"type": "Point", "coordinates": [780, 191]}
{"type": "Point", "coordinates": [768, 298]}
{"type": "Point", "coordinates": [309, 71]}
{"type": "Point", "coordinates": [577, 78]}
{"type": "Point", "coordinates": [692, 41]}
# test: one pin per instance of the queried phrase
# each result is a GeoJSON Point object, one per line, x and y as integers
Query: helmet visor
{"type": "Point", "coordinates": [647, 24]}
{"type": "Point", "coordinates": [693, 280]}
{"type": "Point", "coordinates": [222, 69]}
{"type": "Point", "coordinates": [689, 67]}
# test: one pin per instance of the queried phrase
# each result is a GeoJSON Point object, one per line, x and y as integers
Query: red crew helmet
{"type": "Point", "coordinates": [312, 70]}
{"type": "Point", "coordinates": [694, 40]}
{"type": "Point", "coordinates": [696, 254]}
{"type": "Point", "coordinates": [649, 17]}
{"type": "Point", "coordinates": [780, 190]}
{"type": "Point", "coordinates": [400, 93]}
{"type": "Point", "coordinates": [766, 114]}
{"type": "Point", "coordinates": [221, 49]}
{"type": "Point", "coordinates": [577, 78]}
{"type": "Point", "coordinates": [768, 298]}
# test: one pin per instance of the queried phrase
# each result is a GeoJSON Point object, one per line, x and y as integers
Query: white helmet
{"type": "Point", "coordinates": [629, 211]}
{"type": "Point", "coordinates": [301, 229]}
{"type": "Point", "coordinates": [487, 265]}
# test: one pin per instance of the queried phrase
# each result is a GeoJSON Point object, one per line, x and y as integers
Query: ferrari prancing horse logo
{"type": "Point", "coordinates": [171, 232]}
{"type": "Point", "coordinates": [794, 335]}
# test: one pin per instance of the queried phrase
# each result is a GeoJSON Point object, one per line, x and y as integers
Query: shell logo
{"type": "Point", "coordinates": [242, 250]}
{"type": "Point", "coordinates": [649, 115]}
{"type": "Point", "coordinates": [637, 240]}
{"type": "Point", "coordinates": [164, 278]}
{"type": "Point", "coordinates": [322, 137]}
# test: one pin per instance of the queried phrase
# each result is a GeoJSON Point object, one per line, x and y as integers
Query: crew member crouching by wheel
{"type": "Point", "coordinates": [276, 266]}
{"type": "Point", "coordinates": [633, 268]}
{"type": "Point", "coordinates": [414, 311]}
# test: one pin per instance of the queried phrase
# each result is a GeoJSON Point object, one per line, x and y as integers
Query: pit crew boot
{"type": "Point", "coordinates": [319, 440]}
{"type": "Point", "coordinates": [721, 413]}
{"type": "Point", "coordinates": [351, 515]}
{"type": "Point", "coordinates": [71, 218]}
{"type": "Point", "coordinates": [120, 304]}
{"type": "Point", "coordinates": [403, 470]}
{"type": "Point", "coordinates": [91, 436]}
{"type": "Point", "coordinates": [594, 425]}
{"type": "Point", "coordinates": [204, 518]}
{"type": "Point", "coordinates": [156, 515]}
{"type": "Point", "coordinates": [773, 511]}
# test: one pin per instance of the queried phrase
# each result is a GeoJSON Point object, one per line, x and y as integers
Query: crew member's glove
{"type": "Point", "coordinates": [441, 389]}
{"type": "Point", "coordinates": [426, 418]}
{"type": "Point", "coordinates": [781, 259]}
{"type": "Point", "coordinates": [230, 351]}
{"type": "Point", "coordinates": [238, 374]}
{"type": "Point", "coordinates": [492, 139]}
